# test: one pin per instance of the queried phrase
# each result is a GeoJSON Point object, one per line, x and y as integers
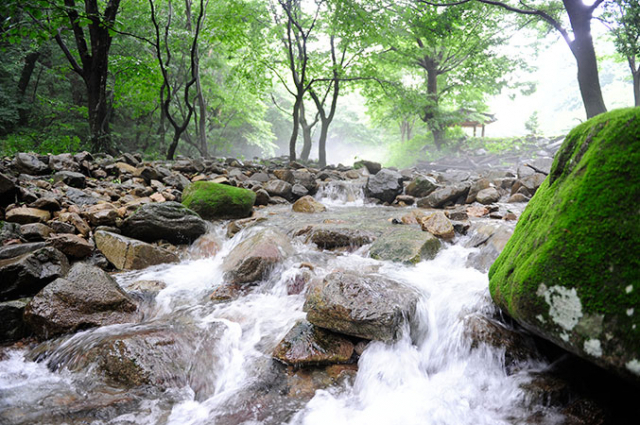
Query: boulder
{"type": "Point", "coordinates": [170, 221]}
{"type": "Point", "coordinates": [366, 306]}
{"type": "Point", "coordinates": [12, 325]}
{"type": "Point", "coordinates": [421, 186]}
{"type": "Point", "coordinates": [16, 250]}
{"type": "Point", "coordinates": [30, 164]}
{"type": "Point", "coordinates": [63, 162]}
{"type": "Point", "coordinates": [488, 196]}
{"type": "Point", "coordinates": [254, 258]}
{"type": "Point", "coordinates": [490, 239]}
{"type": "Point", "coordinates": [332, 237]}
{"type": "Point", "coordinates": [70, 178]}
{"type": "Point", "coordinates": [24, 215]}
{"type": "Point", "coordinates": [307, 204]}
{"type": "Point", "coordinates": [25, 275]}
{"type": "Point", "coordinates": [87, 297]}
{"type": "Point", "coordinates": [80, 198]}
{"type": "Point", "coordinates": [72, 245]}
{"type": "Point", "coordinates": [570, 273]}
{"type": "Point", "coordinates": [384, 185]}
{"type": "Point", "coordinates": [212, 200]}
{"type": "Point", "coordinates": [438, 225]}
{"type": "Point", "coordinates": [131, 254]}
{"type": "Point", "coordinates": [448, 195]}
{"type": "Point", "coordinates": [306, 344]}
{"type": "Point", "coordinates": [405, 244]}
{"type": "Point", "coordinates": [372, 167]}
{"type": "Point", "coordinates": [279, 188]}
{"type": "Point", "coordinates": [298, 191]}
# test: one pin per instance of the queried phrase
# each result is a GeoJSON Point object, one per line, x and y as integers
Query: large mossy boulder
{"type": "Point", "coordinates": [571, 271]}
{"type": "Point", "coordinates": [212, 200]}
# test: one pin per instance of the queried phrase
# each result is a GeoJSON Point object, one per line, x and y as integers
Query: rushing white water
{"type": "Point", "coordinates": [432, 376]}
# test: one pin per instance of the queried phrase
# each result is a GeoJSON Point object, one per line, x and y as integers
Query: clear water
{"type": "Point", "coordinates": [430, 377]}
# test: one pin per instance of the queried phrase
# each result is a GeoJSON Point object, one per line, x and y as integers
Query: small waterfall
{"type": "Point", "coordinates": [342, 193]}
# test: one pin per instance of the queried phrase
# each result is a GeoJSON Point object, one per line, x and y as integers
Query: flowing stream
{"type": "Point", "coordinates": [434, 375]}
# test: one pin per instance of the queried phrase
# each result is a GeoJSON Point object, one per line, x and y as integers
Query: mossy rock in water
{"type": "Point", "coordinates": [571, 271]}
{"type": "Point", "coordinates": [212, 200]}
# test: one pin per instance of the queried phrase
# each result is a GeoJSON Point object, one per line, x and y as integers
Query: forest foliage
{"type": "Point", "coordinates": [265, 77]}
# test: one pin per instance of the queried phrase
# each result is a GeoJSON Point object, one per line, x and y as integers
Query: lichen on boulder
{"type": "Point", "coordinates": [570, 272]}
{"type": "Point", "coordinates": [212, 200]}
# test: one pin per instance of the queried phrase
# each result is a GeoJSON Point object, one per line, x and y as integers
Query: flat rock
{"type": "Point", "coordinates": [366, 306]}
{"type": "Point", "coordinates": [170, 221]}
{"type": "Point", "coordinates": [24, 215]}
{"type": "Point", "coordinates": [338, 236]}
{"type": "Point", "coordinates": [131, 254]}
{"type": "Point", "coordinates": [80, 198]}
{"type": "Point", "coordinates": [448, 195]}
{"type": "Point", "coordinates": [306, 344]}
{"type": "Point", "coordinates": [87, 297]}
{"type": "Point", "coordinates": [27, 274]}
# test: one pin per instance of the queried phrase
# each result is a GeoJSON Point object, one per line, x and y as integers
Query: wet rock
{"type": "Point", "coordinates": [63, 162]}
{"type": "Point", "coordinates": [70, 178]}
{"type": "Point", "coordinates": [212, 200]}
{"type": "Point", "coordinates": [488, 196]}
{"type": "Point", "coordinates": [72, 245]}
{"type": "Point", "coordinates": [477, 211]}
{"type": "Point", "coordinates": [30, 164]}
{"type": "Point", "coordinates": [35, 232]}
{"type": "Point", "coordinates": [421, 186]}
{"type": "Point", "coordinates": [298, 282]}
{"type": "Point", "coordinates": [438, 225]}
{"type": "Point", "coordinates": [46, 202]}
{"type": "Point", "coordinates": [131, 254]}
{"type": "Point", "coordinates": [384, 185]}
{"type": "Point", "coordinates": [76, 221]}
{"type": "Point", "coordinates": [262, 197]}
{"type": "Point", "coordinates": [475, 188]}
{"type": "Point", "coordinates": [16, 250]}
{"type": "Point", "coordinates": [60, 227]}
{"type": "Point", "coordinates": [168, 221]}
{"type": "Point", "coordinates": [372, 167]}
{"type": "Point", "coordinates": [306, 344]}
{"type": "Point", "coordinates": [102, 214]}
{"type": "Point", "coordinates": [518, 197]}
{"type": "Point", "coordinates": [528, 185]}
{"type": "Point", "coordinates": [245, 223]}
{"type": "Point", "coordinates": [25, 275]}
{"type": "Point", "coordinates": [307, 204]}
{"type": "Point", "coordinates": [208, 245]}
{"type": "Point", "coordinates": [298, 191]}
{"type": "Point", "coordinates": [12, 325]}
{"type": "Point", "coordinates": [491, 240]}
{"type": "Point", "coordinates": [24, 215]}
{"type": "Point", "coordinates": [405, 245]}
{"type": "Point", "coordinates": [449, 195]}
{"type": "Point", "coordinates": [332, 237]}
{"type": "Point", "coordinates": [87, 297]}
{"type": "Point", "coordinates": [458, 213]}
{"type": "Point", "coordinates": [570, 271]}
{"type": "Point", "coordinates": [254, 258]}
{"type": "Point", "coordinates": [80, 198]}
{"type": "Point", "coordinates": [405, 200]}
{"type": "Point", "coordinates": [365, 306]}
{"type": "Point", "coordinates": [279, 188]}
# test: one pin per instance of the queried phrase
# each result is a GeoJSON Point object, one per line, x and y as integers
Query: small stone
{"type": "Point", "coordinates": [307, 204]}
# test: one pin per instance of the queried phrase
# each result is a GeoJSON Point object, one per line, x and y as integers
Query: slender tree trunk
{"type": "Point", "coordinates": [635, 73]}
{"type": "Point", "coordinates": [173, 146]}
{"type": "Point", "coordinates": [306, 133]}
{"type": "Point", "coordinates": [294, 132]}
{"type": "Point", "coordinates": [582, 48]}
{"type": "Point", "coordinates": [98, 110]}
{"type": "Point", "coordinates": [431, 111]}
{"type": "Point", "coordinates": [25, 77]}
{"type": "Point", "coordinates": [322, 142]}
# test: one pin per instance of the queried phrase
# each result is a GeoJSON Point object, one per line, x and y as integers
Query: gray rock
{"type": "Point", "coordinates": [176, 180]}
{"type": "Point", "coordinates": [405, 244]}
{"type": "Point", "coordinates": [306, 179]}
{"type": "Point", "coordinates": [80, 198]}
{"type": "Point", "coordinates": [332, 237]}
{"type": "Point", "coordinates": [488, 196]}
{"type": "Point", "coordinates": [491, 240]}
{"type": "Point", "coordinates": [25, 275]}
{"type": "Point", "coordinates": [298, 191]}
{"type": "Point", "coordinates": [61, 227]}
{"type": "Point", "coordinates": [384, 185]}
{"type": "Point", "coordinates": [365, 306]}
{"type": "Point", "coordinates": [35, 232]}
{"type": "Point", "coordinates": [372, 167]}
{"type": "Point", "coordinates": [11, 251]}
{"type": "Point", "coordinates": [30, 164]}
{"type": "Point", "coordinates": [63, 162]}
{"type": "Point", "coordinates": [9, 231]}
{"type": "Point", "coordinates": [421, 186]}
{"type": "Point", "coordinates": [448, 195]}
{"type": "Point", "coordinates": [86, 298]}
{"type": "Point", "coordinates": [170, 221]}
{"type": "Point", "coordinates": [254, 258]}
{"type": "Point", "coordinates": [71, 178]}
{"type": "Point", "coordinates": [12, 325]}
{"type": "Point", "coordinates": [131, 254]}
{"type": "Point", "coordinates": [517, 197]}
{"type": "Point", "coordinates": [475, 188]}
{"type": "Point", "coordinates": [306, 344]}
{"type": "Point", "coordinates": [279, 188]}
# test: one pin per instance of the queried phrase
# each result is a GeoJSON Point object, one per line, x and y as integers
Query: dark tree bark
{"type": "Point", "coordinates": [94, 63]}
{"type": "Point", "coordinates": [306, 132]}
{"type": "Point", "coordinates": [29, 66]}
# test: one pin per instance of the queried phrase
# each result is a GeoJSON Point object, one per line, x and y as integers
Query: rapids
{"type": "Point", "coordinates": [432, 376]}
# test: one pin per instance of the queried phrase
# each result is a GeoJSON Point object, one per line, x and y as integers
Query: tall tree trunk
{"type": "Point", "coordinates": [431, 110]}
{"type": "Point", "coordinates": [306, 133]}
{"type": "Point", "coordinates": [294, 132]}
{"type": "Point", "coordinates": [322, 142]}
{"type": "Point", "coordinates": [174, 144]}
{"type": "Point", "coordinates": [98, 110]}
{"type": "Point", "coordinates": [25, 77]}
{"type": "Point", "coordinates": [582, 48]}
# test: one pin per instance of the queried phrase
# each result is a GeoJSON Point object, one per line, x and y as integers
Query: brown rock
{"type": "Point", "coordinates": [74, 219]}
{"type": "Point", "coordinates": [306, 344]}
{"type": "Point", "coordinates": [72, 245]}
{"type": "Point", "coordinates": [438, 225]}
{"type": "Point", "coordinates": [131, 254]}
{"type": "Point", "coordinates": [477, 211]}
{"type": "Point", "coordinates": [25, 215]}
{"type": "Point", "coordinates": [307, 204]}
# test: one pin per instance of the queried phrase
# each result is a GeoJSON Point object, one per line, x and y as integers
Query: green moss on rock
{"type": "Point", "coordinates": [212, 200]}
{"type": "Point", "coordinates": [571, 270]}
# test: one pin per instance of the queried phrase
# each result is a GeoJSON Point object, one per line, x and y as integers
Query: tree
{"type": "Point", "coordinates": [581, 44]}
{"type": "Point", "coordinates": [622, 17]}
